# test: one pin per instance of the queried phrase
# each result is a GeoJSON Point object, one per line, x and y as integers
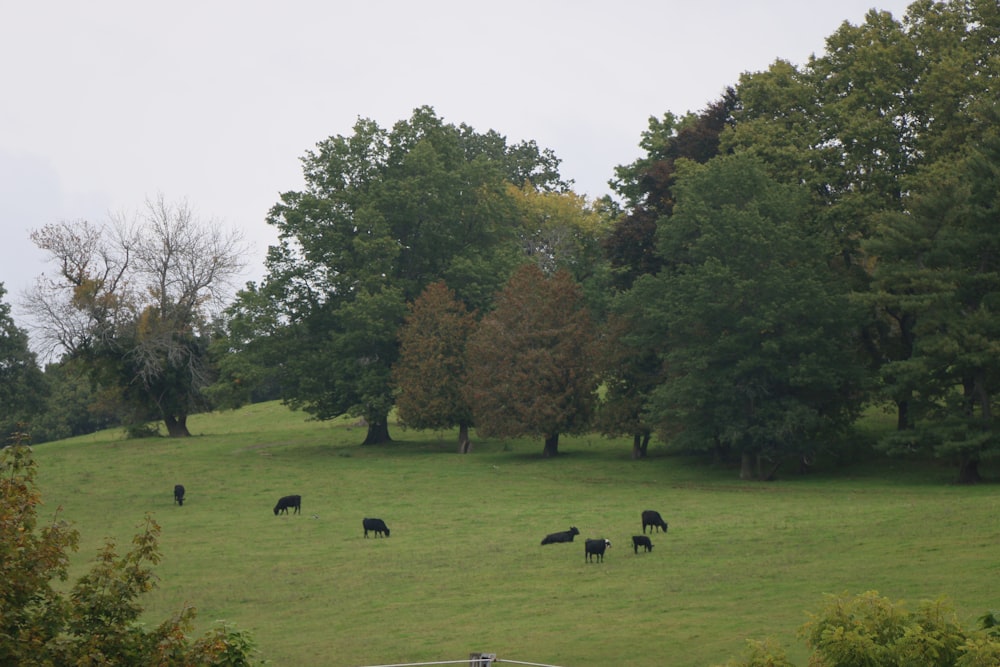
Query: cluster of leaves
{"type": "Point", "coordinates": [869, 629]}
{"type": "Point", "coordinates": [525, 369]}
{"type": "Point", "coordinates": [97, 622]}
{"type": "Point", "coordinates": [22, 385]}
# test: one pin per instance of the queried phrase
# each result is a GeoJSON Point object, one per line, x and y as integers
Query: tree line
{"type": "Point", "coordinates": [819, 240]}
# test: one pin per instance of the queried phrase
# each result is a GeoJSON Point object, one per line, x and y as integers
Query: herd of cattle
{"type": "Point", "coordinates": [593, 549]}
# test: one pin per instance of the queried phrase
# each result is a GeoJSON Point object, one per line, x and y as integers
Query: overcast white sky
{"type": "Point", "coordinates": [106, 103]}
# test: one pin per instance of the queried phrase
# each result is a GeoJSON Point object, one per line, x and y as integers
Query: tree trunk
{"type": "Point", "coordinates": [640, 444]}
{"type": "Point", "coordinates": [747, 461]}
{"type": "Point", "coordinates": [968, 472]}
{"type": "Point", "coordinates": [551, 446]}
{"type": "Point", "coordinates": [378, 430]}
{"type": "Point", "coordinates": [903, 415]}
{"type": "Point", "coordinates": [464, 444]}
{"type": "Point", "coordinates": [177, 426]}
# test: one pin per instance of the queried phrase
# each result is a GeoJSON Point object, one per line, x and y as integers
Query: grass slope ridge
{"type": "Point", "coordinates": [464, 571]}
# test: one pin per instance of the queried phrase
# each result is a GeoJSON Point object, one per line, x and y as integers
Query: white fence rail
{"type": "Point", "coordinates": [474, 660]}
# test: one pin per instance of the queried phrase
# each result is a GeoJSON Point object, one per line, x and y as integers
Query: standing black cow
{"type": "Point", "coordinates": [377, 526]}
{"type": "Point", "coordinates": [641, 541]}
{"type": "Point", "coordinates": [179, 494]}
{"type": "Point", "coordinates": [562, 536]}
{"type": "Point", "coordinates": [653, 519]}
{"type": "Point", "coordinates": [593, 548]}
{"type": "Point", "coordinates": [288, 502]}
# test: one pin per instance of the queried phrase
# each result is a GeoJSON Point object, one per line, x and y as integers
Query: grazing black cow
{"type": "Point", "coordinates": [593, 548]}
{"type": "Point", "coordinates": [287, 502]}
{"type": "Point", "coordinates": [179, 494]}
{"type": "Point", "coordinates": [653, 519]}
{"type": "Point", "coordinates": [562, 536]}
{"type": "Point", "coordinates": [641, 541]}
{"type": "Point", "coordinates": [377, 526]}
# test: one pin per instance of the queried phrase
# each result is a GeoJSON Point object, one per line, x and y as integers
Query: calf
{"type": "Point", "coordinates": [286, 502]}
{"type": "Point", "coordinates": [593, 548]}
{"type": "Point", "coordinates": [653, 520]}
{"type": "Point", "coordinates": [179, 494]}
{"type": "Point", "coordinates": [641, 541]}
{"type": "Point", "coordinates": [562, 536]}
{"type": "Point", "coordinates": [377, 526]}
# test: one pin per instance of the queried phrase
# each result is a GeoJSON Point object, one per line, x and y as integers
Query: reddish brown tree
{"type": "Point", "coordinates": [530, 361]}
{"type": "Point", "coordinates": [430, 373]}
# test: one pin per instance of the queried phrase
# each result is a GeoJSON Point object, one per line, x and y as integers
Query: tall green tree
{"type": "Point", "coordinates": [941, 262]}
{"type": "Point", "coordinates": [630, 369]}
{"type": "Point", "coordinates": [22, 385]}
{"type": "Point", "coordinates": [530, 361]}
{"type": "Point", "coordinates": [630, 355]}
{"type": "Point", "coordinates": [430, 372]}
{"type": "Point", "coordinates": [757, 354]}
{"type": "Point", "coordinates": [887, 98]}
{"type": "Point", "coordinates": [383, 214]}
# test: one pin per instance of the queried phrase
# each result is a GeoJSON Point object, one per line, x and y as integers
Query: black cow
{"type": "Point", "coordinates": [562, 536]}
{"type": "Point", "coordinates": [593, 548]}
{"type": "Point", "coordinates": [286, 502]}
{"type": "Point", "coordinates": [641, 541]}
{"type": "Point", "coordinates": [653, 519]}
{"type": "Point", "coordinates": [377, 526]}
{"type": "Point", "coordinates": [179, 494]}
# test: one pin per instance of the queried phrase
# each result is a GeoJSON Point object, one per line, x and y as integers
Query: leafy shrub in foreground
{"type": "Point", "coordinates": [868, 630]}
{"type": "Point", "coordinates": [97, 623]}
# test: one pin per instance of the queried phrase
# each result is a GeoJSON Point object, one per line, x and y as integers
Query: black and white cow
{"type": "Point", "coordinates": [562, 536]}
{"type": "Point", "coordinates": [641, 541]}
{"type": "Point", "coordinates": [179, 494]}
{"type": "Point", "coordinates": [593, 548]}
{"type": "Point", "coordinates": [288, 502]}
{"type": "Point", "coordinates": [377, 526]}
{"type": "Point", "coordinates": [653, 519]}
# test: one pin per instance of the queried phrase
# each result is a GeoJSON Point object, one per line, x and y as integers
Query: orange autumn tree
{"type": "Point", "coordinates": [530, 361]}
{"type": "Point", "coordinates": [430, 373]}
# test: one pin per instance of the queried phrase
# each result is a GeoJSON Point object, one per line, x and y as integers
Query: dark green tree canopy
{"type": "Point", "coordinates": [757, 352]}
{"type": "Point", "coordinates": [383, 214]}
{"type": "Point", "coordinates": [891, 106]}
{"type": "Point", "coordinates": [940, 261]}
{"type": "Point", "coordinates": [22, 385]}
{"type": "Point", "coordinates": [647, 185]}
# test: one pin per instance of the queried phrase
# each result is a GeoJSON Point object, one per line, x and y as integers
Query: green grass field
{"type": "Point", "coordinates": [464, 571]}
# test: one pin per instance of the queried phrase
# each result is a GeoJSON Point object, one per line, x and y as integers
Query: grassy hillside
{"type": "Point", "coordinates": [464, 571]}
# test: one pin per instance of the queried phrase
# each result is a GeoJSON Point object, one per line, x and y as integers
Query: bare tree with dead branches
{"type": "Point", "coordinates": [134, 297]}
